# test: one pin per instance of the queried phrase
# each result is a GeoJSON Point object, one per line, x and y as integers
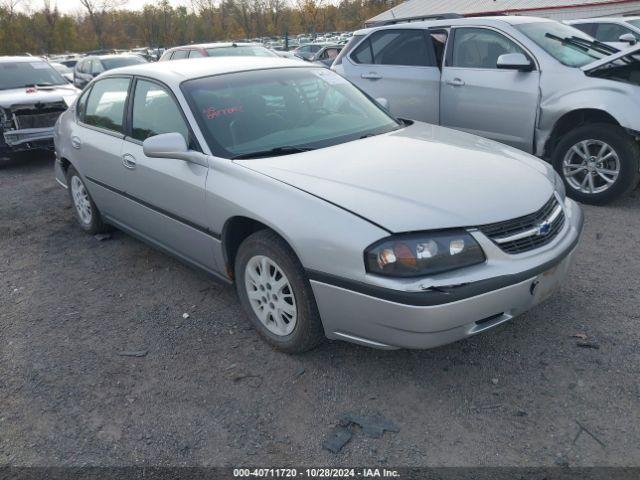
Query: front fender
{"type": "Point", "coordinates": [619, 100]}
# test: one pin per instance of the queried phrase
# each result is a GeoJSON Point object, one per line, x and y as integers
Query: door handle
{"type": "Point", "coordinates": [371, 76]}
{"type": "Point", "coordinates": [456, 82]}
{"type": "Point", "coordinates": [76, 142]}
{"type": "Point", "coordinates": [128, 161]}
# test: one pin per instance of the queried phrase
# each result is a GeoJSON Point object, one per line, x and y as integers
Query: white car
{"type": "Point", "coordinates": [619, 32]}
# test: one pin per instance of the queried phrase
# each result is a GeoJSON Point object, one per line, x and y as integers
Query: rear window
{"type": "Point", "coordinates": [110, 63]}
{"type": "Point", "coordinates": [240, 51]}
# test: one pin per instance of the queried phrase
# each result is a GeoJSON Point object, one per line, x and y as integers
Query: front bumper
{"type": "Point", "coordinates": [27, 139]}
{"type": "Point", "coordinates": [385, 318]}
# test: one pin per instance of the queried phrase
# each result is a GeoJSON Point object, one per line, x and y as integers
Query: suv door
{"type": "Point", "coordinates": [479, 98]}
{"type": "Point", "coordinates": [168, 206]}
{"type": "Point", "coordinates": [97, 141]}
{"type": "Point", "coordinates": [399, 65]}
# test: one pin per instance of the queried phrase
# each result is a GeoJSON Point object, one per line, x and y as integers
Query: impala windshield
{"type": "Point", "coordinates": [285, 110]}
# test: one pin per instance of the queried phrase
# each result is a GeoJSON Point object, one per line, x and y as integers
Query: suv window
{"type": "Point", "coordinates": [611, 32]}
{"type": "Point", "coordinates": [105, 105]}
{"type": "Point", "coordinates": [588, 28]}
{"type": "Point", "coordinates": [178, 54]}
{"type": "Point", "coordinates": [155, 112]}
{"type": "Point", "coordinates": [396, 47]}
{"type": "Point", "coordinates": [195, 54]}
{"type": "Point", "coordinates": [480, 48]}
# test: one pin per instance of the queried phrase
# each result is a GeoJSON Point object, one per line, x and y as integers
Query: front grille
{"type": "Point", "coordinates": [529, 232]}
{"type": "Point", "coordinates": [37, 120]}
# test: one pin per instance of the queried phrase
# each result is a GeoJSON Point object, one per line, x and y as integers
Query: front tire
{"type": "Point", "coordinates": [598, 163]}
{"type": "Point", "coordinates": [85, 210]}
{"type": "Point", "coordinates": [276, 294]}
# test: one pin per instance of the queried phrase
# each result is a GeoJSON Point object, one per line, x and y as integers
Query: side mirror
{"type": "Point", "coordinates": [629, 38]}
{"type": "Point", "coordinates": [514, 61]}
{"type": "Point", "coordinates": [383, 102]}
{"type": "Point", "coordinates": [172, 145]}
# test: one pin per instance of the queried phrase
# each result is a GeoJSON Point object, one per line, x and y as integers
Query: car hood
{"type": "Point", "coordinates": [420, 177]}
{"type": "Point", "coordinates": [611, 58]}
{"type": "Point", "coordinates": [24, 96]}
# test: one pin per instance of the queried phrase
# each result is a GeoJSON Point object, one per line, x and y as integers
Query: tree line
{"type": "Point", "coordinates": [104, 24]}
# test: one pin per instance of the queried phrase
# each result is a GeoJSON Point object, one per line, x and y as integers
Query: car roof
{"type": "Point", "coordinates": [176, 71]}
{"type": "Point", "coordinates": [603, 19]}
{"type": "Point", "coordinates": [22, 58]}
{"type": "Point", "coordinates": [497, 21]}
{"type": "Point", "coordinates": [216, 45]}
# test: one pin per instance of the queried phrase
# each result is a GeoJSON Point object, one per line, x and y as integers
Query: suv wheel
{"type": "Point", "coordinates": [275, 293]}
{"type": "Point", "coordinates": [86, 212]}
{"type": "Point", "coordinates": [598, 163]}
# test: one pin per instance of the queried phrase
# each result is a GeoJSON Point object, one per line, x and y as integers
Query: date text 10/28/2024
{"type": "Point", "coordinates": [315, 473]}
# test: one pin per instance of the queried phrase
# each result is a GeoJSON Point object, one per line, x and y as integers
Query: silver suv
{"type": "Point", "coordinates": [538, 85]}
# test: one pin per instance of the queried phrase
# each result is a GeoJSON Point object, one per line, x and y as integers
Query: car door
{"type": "Point", "coordinates": [168, 195]}
{"type": "Point", "coordinates": [97, 142]}
{"type": "Point", "coordinates": [479, 98]}
{"type": "Point", "coordinates": [399, 65]}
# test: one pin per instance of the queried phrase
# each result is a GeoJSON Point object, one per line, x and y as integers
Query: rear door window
{"type": "Point", "coordinates": [105, 104]}
{"type": "Point", "coordinates": [347, 48]}
{"type": "Point", "coordinates": [396, 47]}
{"type": "Point", "coordinates": [195, 54]}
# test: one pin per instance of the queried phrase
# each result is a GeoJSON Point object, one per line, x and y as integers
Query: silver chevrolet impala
{"type": "Point", "coordinates": [332, 218]}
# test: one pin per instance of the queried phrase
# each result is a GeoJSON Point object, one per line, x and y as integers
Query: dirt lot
{"type": "Point", "coordinates": [210, 392]}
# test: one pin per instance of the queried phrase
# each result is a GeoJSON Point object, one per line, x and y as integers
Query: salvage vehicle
{"type": "Point", "coordinates": [619, 32]}
{"type": "Point", "coordinates": [538, 85]}
{"type": "Point", "coordinates": [330, 216]}
{"type": "Point", "coordinates": [87, 68]}
{"type": "Point", "coordinates": [32, 97]}
{"type": "Point", "coordinates": [219, 49]}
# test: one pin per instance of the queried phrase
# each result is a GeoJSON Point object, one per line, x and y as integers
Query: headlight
{"type": "Point", "coordinates": [427, 253]}
{"type": "Point", "coordinates": [560, 188]}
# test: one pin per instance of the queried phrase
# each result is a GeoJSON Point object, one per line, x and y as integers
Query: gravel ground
{"type": "Point", "coordinates": [210, 392]}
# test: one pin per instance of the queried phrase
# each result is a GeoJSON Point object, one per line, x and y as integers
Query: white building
{"type": "Point", "coordinates": [414, 10]}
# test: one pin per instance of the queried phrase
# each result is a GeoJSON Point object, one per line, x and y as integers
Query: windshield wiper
{"type": "Point", "coordinates": [583, 44]}
{"type": "Point", "coordinates": [601, 47]}
{"type": "Point", "coordinates": [273, 152]}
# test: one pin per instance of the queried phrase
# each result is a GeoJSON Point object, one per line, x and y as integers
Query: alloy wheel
{"type": "Point", "coordinates": [270, 295]}
{"type": "Point", "coordinates": [81, 200]}
{"type": "Point", "coordinates": [591, 166]}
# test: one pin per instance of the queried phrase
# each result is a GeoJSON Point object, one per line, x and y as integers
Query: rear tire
{"type": "Point", "coordinates": [86, 213]}
{"type": "Point", "coordinates": [598, 163]}
{"type": "Point", "coordinates": [276, 294]}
